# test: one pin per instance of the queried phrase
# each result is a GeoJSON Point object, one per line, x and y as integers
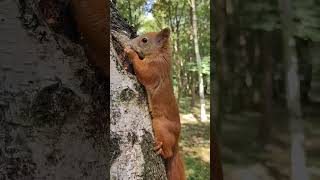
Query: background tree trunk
{"type": "Point", "coordinates": [266, 119]}
{"type": "Point", "coordinates": [220, 58]}
{"type": "Point", "coordinates": [130, 129]}
{"type": "Point", "coordinates": [298, 160]}
{"type": "Point", "coordinates": [203, 115]}
{"type": "Point", "coordinates": [218, 40]}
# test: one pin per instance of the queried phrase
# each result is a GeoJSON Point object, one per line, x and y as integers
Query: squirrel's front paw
{"type": "Point", "coordinates": [128, 50]}
{"type": "Point", "coordinates": [158, 148]}
{"type": "Point", "coordinates": [131, 53]}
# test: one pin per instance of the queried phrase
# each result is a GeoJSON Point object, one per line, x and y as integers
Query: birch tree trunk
{"type": "Point", "coordinates": [203, 115]}
{"type": "Point", "coordinates": [130, 128]}
{"type": "Point", "coordinates": [298, 159]}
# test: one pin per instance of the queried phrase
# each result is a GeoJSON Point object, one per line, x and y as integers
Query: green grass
{"type": "Point", "coordinates": [195, 146]}
{"type": "Point", "coordinates": [185, 106]}
{"type": "Point", "coordinates": [196, 169]}
{"type": "Point", "coordinates": [195, 141]}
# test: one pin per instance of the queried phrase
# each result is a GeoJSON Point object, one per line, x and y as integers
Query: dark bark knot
{"type": "Point", "coordinates": [114, 147]}
{"type": "Point", "coordinates": [53, 104]}
{"type": "Point", "coordinates": [132, 137]}
{"type": "Point", "coordinates": [127, 94]}
{"type": "Point", "coordinates": [115, 115]}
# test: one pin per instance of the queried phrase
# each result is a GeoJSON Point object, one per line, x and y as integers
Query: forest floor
{"type": "Point", "coordinates": [244, 159]}
{"type": "Point", "coordinates": [195, 140]}
{"type": "Point", "coordinates": [242, 155]}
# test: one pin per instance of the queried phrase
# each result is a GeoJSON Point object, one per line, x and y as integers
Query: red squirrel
{"type": "Point", "coordinates": [150, 55]}
{"type": "Point", "coordinates": [91, 18]}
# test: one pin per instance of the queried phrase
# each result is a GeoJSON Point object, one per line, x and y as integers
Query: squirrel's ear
{"type": "Point", "coordinates": [165, 33]}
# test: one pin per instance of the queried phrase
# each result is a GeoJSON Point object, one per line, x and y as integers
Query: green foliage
{"type": "Point", "coordinates": [265, 15]}
{"type": "Point", "coordinates": [307, 15]}
{"type": "Point", "coordinates": [149, 24]}
{"type": "Point", "coordinates": [203, 12]}
{"type": "Point", "coordinates": [259, 15]}
{"type": "Point", "coordinates": [205, 63]}
{"type": "Point", "coordinates": [133, 11]}
{"type": "Point", "coordinates": [196, 169]}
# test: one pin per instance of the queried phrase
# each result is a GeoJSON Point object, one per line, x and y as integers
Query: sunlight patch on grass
{"type": "Point", "coordinates": [195, 146]}
{"type": "Point", "coordinates": [186, 109]}
{"type": "Point", "coordinates": [202, 153]}
{"type": "Point", "coordinates": [195, 139]}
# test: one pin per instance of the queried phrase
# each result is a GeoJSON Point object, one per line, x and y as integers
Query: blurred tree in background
{"type": "Point", "coordinates": [267, 82]}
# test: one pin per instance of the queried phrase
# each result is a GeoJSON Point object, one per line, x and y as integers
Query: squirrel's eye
{"type": "Point", "coordinates": [144, 40]}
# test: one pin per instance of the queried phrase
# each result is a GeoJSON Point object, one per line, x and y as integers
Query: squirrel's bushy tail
{"type": "Point", "coordinates": [175, 167]}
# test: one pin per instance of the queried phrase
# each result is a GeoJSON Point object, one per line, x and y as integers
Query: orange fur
{"type": "Point", "coordinates": [91, 18]}
{"type": "Point", "coordinates": [154, 72]}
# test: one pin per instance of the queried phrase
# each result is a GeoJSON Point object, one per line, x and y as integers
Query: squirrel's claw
{"type": "Point", "coordinates": [160, 151]}
{"type": "Point", "coordinates": [158, 148]}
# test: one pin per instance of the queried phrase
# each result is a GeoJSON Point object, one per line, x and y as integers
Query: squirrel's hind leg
{"type": "Point", "coordinates": [165, 140]}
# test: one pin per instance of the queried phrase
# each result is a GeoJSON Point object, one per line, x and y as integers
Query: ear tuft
{"type": "Point", "coordinates": [165, 33]}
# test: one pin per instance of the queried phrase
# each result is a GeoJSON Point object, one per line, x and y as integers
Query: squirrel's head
{"type": "Point", "coordinates": [150, 43]}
